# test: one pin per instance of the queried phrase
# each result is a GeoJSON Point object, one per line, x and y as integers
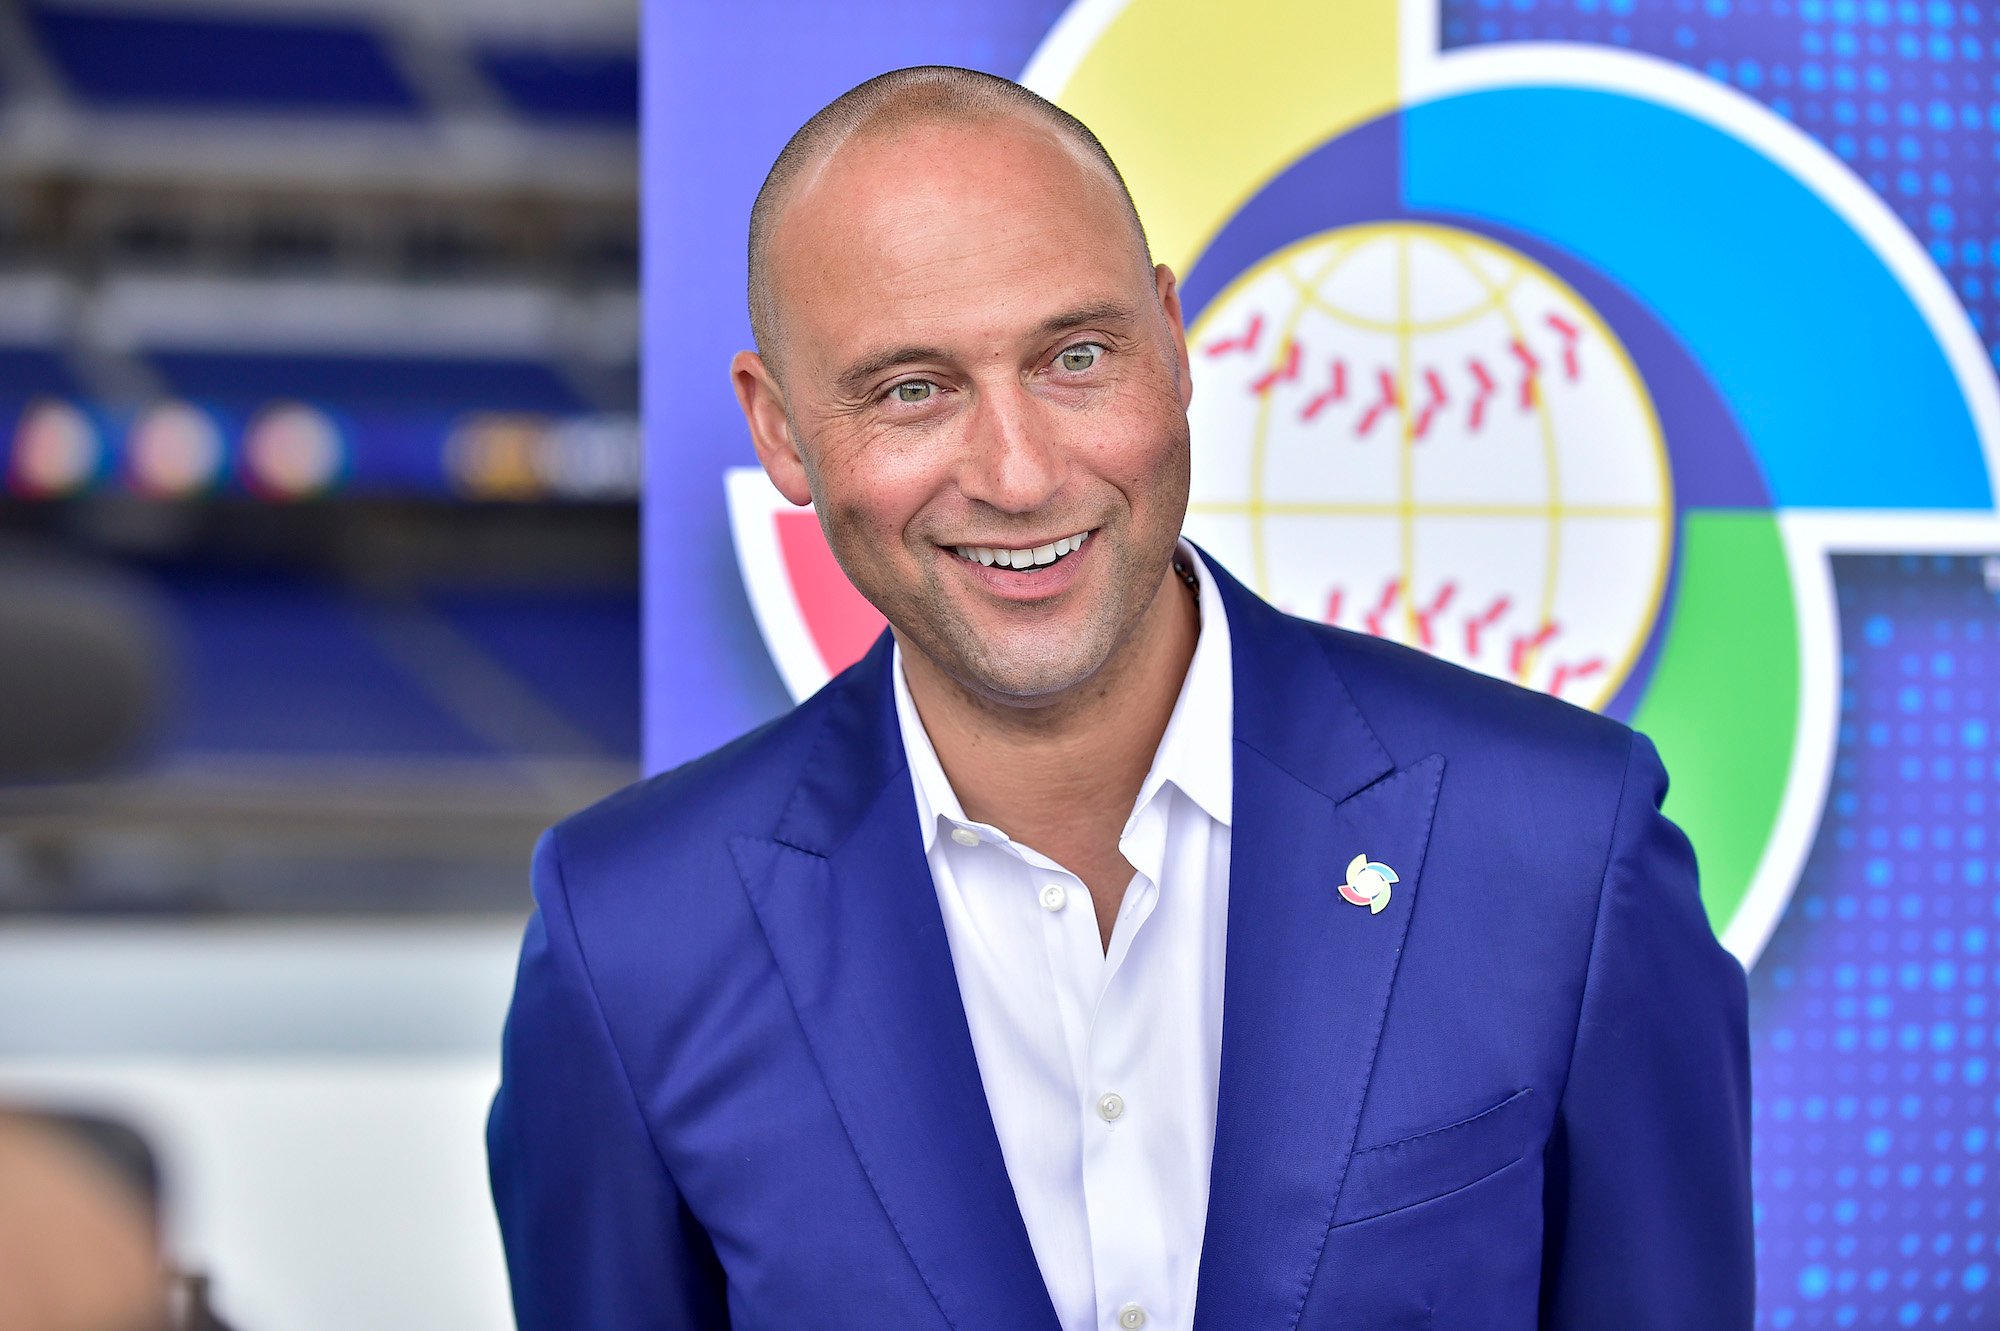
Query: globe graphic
{"type": "Point", "coordinates": [1416, 432]}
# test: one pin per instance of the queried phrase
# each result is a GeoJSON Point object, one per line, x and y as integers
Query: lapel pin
{"type": "Point", "coordinates": [1368, 883]}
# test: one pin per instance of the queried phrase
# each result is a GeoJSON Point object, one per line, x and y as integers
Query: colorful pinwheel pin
{"type": "Point", "coordinates": [1368, 883]}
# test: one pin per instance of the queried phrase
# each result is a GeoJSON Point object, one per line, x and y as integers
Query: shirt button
{"type": "Point", "coordinates": [965, 836]}
{"type": "Point", "coordinates": [1131, 1317]}
{"type": "Point", "coordinates": [1053, 897]}
{"type": "Point", "coordinates": [1109, 1107]}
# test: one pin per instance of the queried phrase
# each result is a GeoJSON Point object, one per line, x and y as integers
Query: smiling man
{"type": "Point", "coordinates": [1106, 949]}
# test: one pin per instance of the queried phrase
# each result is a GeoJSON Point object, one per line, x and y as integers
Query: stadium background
{"type": "Point", "coordinates": [369, 642]}
{"type": "Point", "coordinates": [318, 595]}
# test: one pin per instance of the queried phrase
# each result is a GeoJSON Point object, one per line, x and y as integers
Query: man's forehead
{"type": "Point", "coordinates": [963, 158]}
{"type": "Point", "coordinates": [937, 205]}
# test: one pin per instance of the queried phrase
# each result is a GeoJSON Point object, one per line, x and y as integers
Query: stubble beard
{"type": "Point", "coordinates": [1023, 666]}
{"type": "Point", "coordinates": [1032, 667]}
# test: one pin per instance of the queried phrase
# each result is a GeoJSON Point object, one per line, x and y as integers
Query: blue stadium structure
{"type": "Point", "coordinates": [318, 340]}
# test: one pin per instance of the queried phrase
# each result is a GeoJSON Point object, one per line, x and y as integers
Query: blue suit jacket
{"type": "Point", "coordinates": [739, 1089]}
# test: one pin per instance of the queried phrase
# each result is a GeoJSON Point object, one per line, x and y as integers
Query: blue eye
{"type": "Point", "coordinates": [1080, 357]}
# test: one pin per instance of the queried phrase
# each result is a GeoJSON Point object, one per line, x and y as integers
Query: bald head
{"type": "Point", "coordinates": [884, 106]}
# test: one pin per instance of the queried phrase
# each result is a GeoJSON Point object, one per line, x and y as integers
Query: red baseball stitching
{"type": "Point", "coordinates": [1569, 333]}
{"type": "Point", "coordinates": [1282, 373]}
{"type": "Point", "coordinates": [1566, 674]}
{"type": "Point", "coordinates": [1487, 388]}
{"type": "Point", "coordinates": [1388, 599]}
{"type": "Point", "coordinates": [1517, 656]}
{"type": "Point", "coordinates": [1431, 612]}
{"type": "Point", "coordinates": [1389, 401]}
{"type": "Point", "coordinates": [1531, 367]}
{"type": "Point", "coordinates": [1335, 390]}
{"type": "Point", "coordinates": [1246, 342]}
{"type": "Point", "coordinates": [1433, 404]}
{"type": "Point", "coordinates": [1476, 624]}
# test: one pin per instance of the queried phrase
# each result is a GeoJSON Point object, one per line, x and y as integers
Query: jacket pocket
{"type": "Point", "coordinates": [1422, 1168]}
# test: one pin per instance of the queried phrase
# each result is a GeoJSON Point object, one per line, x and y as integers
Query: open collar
{"type": "Point", "coordinates": [843, 892]}
{"type": "Point", "coordinates": [1194, 750]}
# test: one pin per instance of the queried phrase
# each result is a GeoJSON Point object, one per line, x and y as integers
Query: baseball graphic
{"type": "Point", "coordinates": [1417, 432]}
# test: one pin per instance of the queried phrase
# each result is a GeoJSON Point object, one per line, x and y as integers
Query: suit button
{"type": "Point", "coordinates": [1131, 1317]}
{"type": "Point", "coordinates": [965, 836]}
{"type": "Point", "coordinates": [1053, 897]}
{"type": "Point", "coordinates": [1109, 1107]}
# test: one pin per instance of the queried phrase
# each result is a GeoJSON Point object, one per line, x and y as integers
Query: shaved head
{"type": "Point", "coordinates": [890, 103]}
{"type": "Point", "coordinates": [961, 344]}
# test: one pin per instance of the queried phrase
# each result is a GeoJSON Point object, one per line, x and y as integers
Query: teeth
{"type": "Point", "coordinates": [1033, 557]}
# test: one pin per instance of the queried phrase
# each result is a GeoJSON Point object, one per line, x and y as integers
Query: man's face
{"type": "Point", "coordinates": [976, 358]}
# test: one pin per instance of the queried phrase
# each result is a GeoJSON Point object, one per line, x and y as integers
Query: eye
{"type": "Point", "coordinates": [913, 391]}
{"type": "Point", "coordinates": [1081, 357]}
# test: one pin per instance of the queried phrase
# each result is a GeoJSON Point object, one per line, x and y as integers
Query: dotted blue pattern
{"type": "Point", "coordinates": [1906, 92]}
{"type": "Point", "coordinates": [1873, 1010]}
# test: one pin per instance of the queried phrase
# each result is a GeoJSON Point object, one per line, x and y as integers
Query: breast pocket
{"type": "Point", "coordinates": [1432, 1164]}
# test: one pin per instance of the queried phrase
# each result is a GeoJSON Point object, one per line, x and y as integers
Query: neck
{"type": "Point", "coordinates": [1063, 777]}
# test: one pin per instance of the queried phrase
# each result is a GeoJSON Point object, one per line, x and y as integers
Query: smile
{"type": "Point", "coordinates": [1032, 557]}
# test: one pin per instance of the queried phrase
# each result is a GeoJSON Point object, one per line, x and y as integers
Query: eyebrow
{"type": "Point", "coordinates": [1097, 312]}
{"type": "Point", "coordinates": [856, 376]}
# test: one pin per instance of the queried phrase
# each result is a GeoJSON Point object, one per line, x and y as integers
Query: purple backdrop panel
{"type": "Point", "coordinates": [721, 95]}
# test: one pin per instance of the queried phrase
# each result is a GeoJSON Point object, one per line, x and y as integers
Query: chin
{"type": "Point", "coordinates": [1026, 676]}
{"type": "Point", "coordinates": [1018, 664]}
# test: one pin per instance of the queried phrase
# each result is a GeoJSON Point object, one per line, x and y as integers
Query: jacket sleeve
{"type": "Point", "coordinates": [596, 1234]}
{"type": "Point", "coordinates": [1648, 1178]}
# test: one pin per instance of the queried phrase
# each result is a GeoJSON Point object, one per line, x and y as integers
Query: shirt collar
{"type": "Point", "coordinates": [1197, 750]}
{"type": "Point", "coordinates": [935, 797]}
{"type": "Point", "coordinates": [1195, 753]}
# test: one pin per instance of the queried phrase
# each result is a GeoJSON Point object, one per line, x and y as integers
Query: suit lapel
{"type": "Point", "coordinates": [1308, 974]}
{"type": "Point", "coordinates": [845, 898]}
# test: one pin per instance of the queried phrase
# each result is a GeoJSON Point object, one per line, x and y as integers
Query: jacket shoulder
{"type": "Point", "coordinates": [741, 787]}
{"type": "Point", "coordinates": [1419, 704]}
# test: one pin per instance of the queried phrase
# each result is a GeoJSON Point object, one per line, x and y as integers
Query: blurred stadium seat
{"type": "Point", "coordinates": [318, 320]}
{"type": "Point", "coordinates": [577, 86]}
{"type": "Point", "coordinates": [27, 372]}
{"type": "Point", "coordinates": [114, 56]}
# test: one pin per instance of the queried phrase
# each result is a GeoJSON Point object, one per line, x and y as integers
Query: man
{"type": "Point", "coordinates": [1106, 949]}
{"type": "Point", "coordinates": [79, 1241]}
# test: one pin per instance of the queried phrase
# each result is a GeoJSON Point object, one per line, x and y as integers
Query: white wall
{"type": "Point", "coordinates": [317, 1094]}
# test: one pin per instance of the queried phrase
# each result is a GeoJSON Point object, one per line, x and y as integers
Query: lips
{"type": "Point", "coordinates": [1025, 557]}
{"type": "Point", "coordinates": [1027, 575]}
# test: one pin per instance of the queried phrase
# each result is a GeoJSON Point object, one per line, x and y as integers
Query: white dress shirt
{"type": "Point", "coordinates": [1100, 1065]}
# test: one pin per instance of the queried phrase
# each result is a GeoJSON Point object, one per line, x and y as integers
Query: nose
{"type": "Point", "coordinates": [1013, 457]}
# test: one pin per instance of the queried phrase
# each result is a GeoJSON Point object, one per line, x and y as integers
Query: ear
{"type": "Point", "coordinates": [763, 404]}
{"type": "Point", "coordinates": [1170, 301]}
